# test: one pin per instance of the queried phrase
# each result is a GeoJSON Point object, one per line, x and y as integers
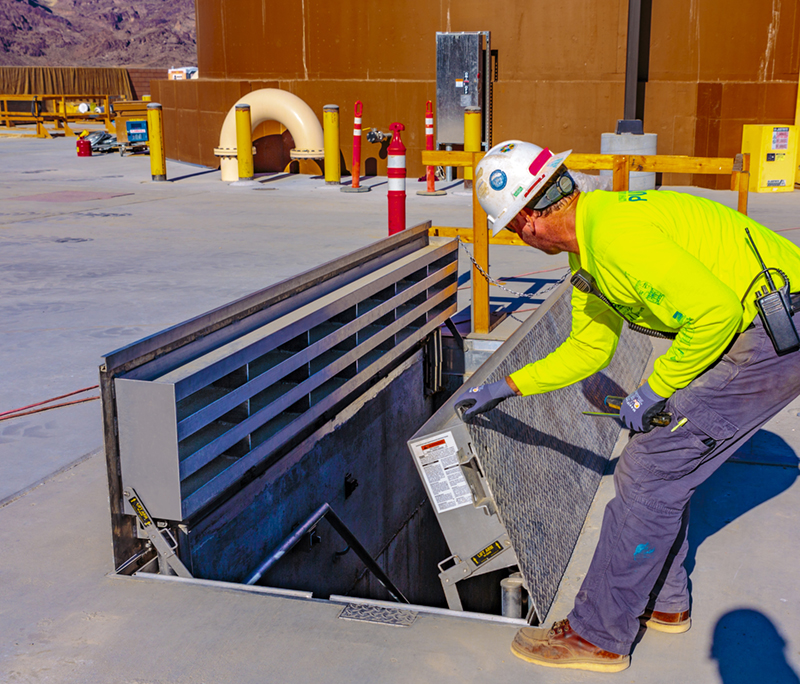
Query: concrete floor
{"type": "Point", "coordinates": [84, 276]}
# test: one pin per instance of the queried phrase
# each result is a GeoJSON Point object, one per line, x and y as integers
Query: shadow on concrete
{"type": "Point", "coordinates": [748, 648]}
{"type": "Point", "coordinates": [193, 175]}
{"type": "Point", "coordinates": [731, 492]}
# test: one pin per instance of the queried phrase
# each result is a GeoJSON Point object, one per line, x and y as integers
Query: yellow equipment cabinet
{"type": "Point", "coordinates": [773, 156]}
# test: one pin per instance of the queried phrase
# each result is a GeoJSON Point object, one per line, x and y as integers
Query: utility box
{"type": "Point", "coordinates": [463, 79]}
{"type": "Point", "coordinates": [137, 130]}
{"type": "Point", "coordinates": [773, 156]}
{"type": "Point", "coordinates": [125, 111]}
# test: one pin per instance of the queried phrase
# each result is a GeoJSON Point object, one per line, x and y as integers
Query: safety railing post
{"type": "Point", "coordinates": [481, 322]}
{"type": "Point", "coordinates": [330, 127]}
{"type": "Point", "coordinates": [744, 184]}
{"type": "Point", "coordinates": [155, 135]}
{"type": "Point", "coordinates": [244, 142]}
{"type": "Point", "coordinates": [397, 181]}
{"type": "Point", "coordinates": [620, 173]}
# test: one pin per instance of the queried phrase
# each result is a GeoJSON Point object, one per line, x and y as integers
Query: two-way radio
{"type": "Point", "coordinates": [775, 308]}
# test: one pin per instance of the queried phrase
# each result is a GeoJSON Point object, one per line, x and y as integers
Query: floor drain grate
{"type": "Point", "coordinates": [385, 616]}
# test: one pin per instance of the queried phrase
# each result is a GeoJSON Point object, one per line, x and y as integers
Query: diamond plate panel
{"type": "Point", "coordinates": [385, 616]}
{"type": "Point", "coordinates": [543, 459]}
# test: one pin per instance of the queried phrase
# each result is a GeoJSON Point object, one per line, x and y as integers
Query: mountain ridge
{"type": "Point", "coordinates": [98, 33]}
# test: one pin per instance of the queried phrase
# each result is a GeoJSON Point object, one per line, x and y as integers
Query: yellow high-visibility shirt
{"type": "Point", "coordinates": [670, 262]}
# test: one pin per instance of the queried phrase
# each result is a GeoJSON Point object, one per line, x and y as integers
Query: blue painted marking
{"type": "Point", "coordinates": [643, 552]}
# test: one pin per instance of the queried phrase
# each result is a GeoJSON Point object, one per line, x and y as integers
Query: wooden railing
{"type": "Point", "coordinates": [39, 113]}
{"type": "Point", "coordinates": [620, 165]}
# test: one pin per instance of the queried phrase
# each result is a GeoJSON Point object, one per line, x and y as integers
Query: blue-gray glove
{"type": "Point", "coordinates": [483, 398]}
{"type": "Point", "coordinates": [639, 407]}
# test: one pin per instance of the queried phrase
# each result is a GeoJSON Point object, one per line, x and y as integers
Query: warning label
{"type": "Point", "coordinates": [780, 138]}
{"type": "Point", "coordinates": [444, 480]}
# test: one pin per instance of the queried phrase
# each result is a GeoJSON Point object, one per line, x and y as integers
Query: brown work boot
{"type": "Point", "coordinates": [672, 623]}
{"type": "Point", "coordinates": [561, 647]}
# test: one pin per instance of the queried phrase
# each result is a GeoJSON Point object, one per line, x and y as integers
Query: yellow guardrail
{"type": "Point", "coordinates": [54, 109]}
{"type": "Point", "coordinates": [620, 165]}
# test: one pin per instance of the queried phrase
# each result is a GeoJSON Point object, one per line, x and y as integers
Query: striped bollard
{"type": "Point", "coordinates": [397, 181]}
{"type": "Point", "coordinates": [355, 184]}
{"type": "Point", "coordinates": [430, 171]}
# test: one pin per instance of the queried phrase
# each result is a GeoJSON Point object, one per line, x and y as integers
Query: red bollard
{"type": "Point", "coordinates": [355, 187]}
{"type": "Point", "coordinates": [397, 181]}
{"type": "Point", "coordinates": [430, 170]}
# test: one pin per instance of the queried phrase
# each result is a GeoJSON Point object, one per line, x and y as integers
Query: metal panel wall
{"type": "Point", "coordinates": [533, 463]}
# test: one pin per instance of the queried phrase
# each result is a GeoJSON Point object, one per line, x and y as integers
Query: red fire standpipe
{"type": "Point", "coordinates": [355, 184]}
{"type": "Point", "coordinates": [430, 171]}
{"type": "Point", "coordinates": [397, 181]}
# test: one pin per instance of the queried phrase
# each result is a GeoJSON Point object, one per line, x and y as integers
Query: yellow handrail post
{"type": "Point", "coordinates": [244, 142]}
{"type": "Point", "coordinates": [155, 136]}
{"type": "Point", "coordinates": [330, 127]}
{"type": "Point", "coordinates": [472, 139]}
{"type": "Point", "coordinates": [109, 123]}
{"type": "Point", "coordinates": [481, 322]}
{"type": "Point", "coordinates": [744, 184]}
{"type": "Point", "coordinates": [620, 173]}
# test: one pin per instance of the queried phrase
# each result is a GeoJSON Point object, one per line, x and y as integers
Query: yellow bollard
{"type": "Point", "coordinates": [244, 142]}
{"type": "Point", "coordinates": [472, 138]}
{"type": "Point", "coordinates": [330, 125]}
{"type": "Point", "coordinates": [155, 135]}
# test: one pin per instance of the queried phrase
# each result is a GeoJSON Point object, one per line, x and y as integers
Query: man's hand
{"type": "Point", "coordinates": [639, 407]}
{"type": "Point", "coordinates": [483, 398]}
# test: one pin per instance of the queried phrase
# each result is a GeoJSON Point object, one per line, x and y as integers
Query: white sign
{"type": "Point", "coordinates": [444, 480]}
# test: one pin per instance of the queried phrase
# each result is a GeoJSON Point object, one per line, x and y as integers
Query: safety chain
{"type": "Point", "coordinates": [537, 297]}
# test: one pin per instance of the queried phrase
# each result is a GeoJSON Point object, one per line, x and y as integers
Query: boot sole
{"type": "Point", "coordinates": [590, 665]}
{"type": "Point", "coordinates": [668, 628]}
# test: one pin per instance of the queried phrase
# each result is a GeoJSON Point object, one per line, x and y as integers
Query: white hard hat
{"type": "Point", "coordinates": [511, 175]}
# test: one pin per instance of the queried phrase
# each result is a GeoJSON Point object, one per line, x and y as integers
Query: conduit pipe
{"type": "Point", "coordinates": [271, 104]}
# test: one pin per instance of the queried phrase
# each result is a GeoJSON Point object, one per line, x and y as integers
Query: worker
{"type": "Point", "coordinates": [673, 264]}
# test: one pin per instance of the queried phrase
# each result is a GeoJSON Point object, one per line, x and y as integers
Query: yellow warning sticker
{"type": "Point", "coordinates": [140, 511]}
{"type": "Point", "coordinates": [487, 554]}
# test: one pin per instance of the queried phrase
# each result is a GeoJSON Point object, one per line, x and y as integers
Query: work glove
{"type": "Point", "coordinates": [639, 407]}
{"type": "Point", "coordinates": [483, 398]}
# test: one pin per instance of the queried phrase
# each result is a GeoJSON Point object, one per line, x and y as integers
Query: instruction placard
{"type": "Point", "coordinates": [444, 480]}
{"type": "Point", "coordinates": [780, 138]}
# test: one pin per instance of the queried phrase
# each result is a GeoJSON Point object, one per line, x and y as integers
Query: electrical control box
{"type": "Point", "coordinates": [463, 61]}
{"type": "Point", "coordinates": [773, 156]}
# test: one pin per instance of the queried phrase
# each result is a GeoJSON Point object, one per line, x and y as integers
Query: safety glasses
{"type": "Point", "coordinates": [561, 186]}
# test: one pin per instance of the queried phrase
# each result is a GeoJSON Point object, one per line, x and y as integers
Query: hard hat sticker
{"type": "Point", "coordinates": [517, 191]}
{"type": "Point", "coordinates": [507, 148]}
{"type": "Point", "coordinates": [498, 179]}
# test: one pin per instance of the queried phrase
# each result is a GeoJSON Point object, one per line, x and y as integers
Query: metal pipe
{"type": "Point", "coordinates": [271, 104]}
{"type": "Point", "coordinates": [325, 511]}
{"type": "Point", "coordinates": [289, 543]}
{"type": "Point", "coordinates": [511, 596]}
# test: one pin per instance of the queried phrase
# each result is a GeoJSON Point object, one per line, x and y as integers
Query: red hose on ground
{"type": "Point", "coordinates": [17, 411]}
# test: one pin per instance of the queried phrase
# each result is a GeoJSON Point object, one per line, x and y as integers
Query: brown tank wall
{"type": "Point", "coordinates": [560, 75]}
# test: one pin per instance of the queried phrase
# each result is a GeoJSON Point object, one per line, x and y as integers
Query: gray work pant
{"type": "Point", "coordinates": [643, 536]}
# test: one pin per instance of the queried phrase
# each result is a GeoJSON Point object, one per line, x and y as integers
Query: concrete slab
{"type": "Point", "coordinates": [83, 278]}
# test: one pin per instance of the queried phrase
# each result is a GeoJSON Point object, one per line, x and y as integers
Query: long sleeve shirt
{"type": "Point", "coordinates": [670, 262]}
